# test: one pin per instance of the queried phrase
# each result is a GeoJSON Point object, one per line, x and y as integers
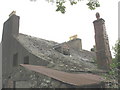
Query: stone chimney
{"type": "Point", "coordinates": [76, 44]}
{"type": "Point", "coordinates": [11, 26]}
{"type": "Point", "coordinates": [10, 30]}
{"type": "Point", "coordinates": [103, 54]}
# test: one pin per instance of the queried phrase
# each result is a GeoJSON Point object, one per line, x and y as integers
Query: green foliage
{"type": "Point", "coordinates": [73, 2]}
{"type": "Point", "coordinates": [60, 7]}
{"type": "Point", "coordinates": [92, 4]}
{"type": "Point", "coordinates": [113, 75]}
{"type": "Point", "coordinates": [117, 51]}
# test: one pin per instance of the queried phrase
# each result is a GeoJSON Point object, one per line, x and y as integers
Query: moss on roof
{"type": "Point", "coordinates": [78, 61]}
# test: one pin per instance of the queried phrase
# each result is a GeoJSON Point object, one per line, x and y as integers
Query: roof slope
{"type": "Point", "coordinates": [73, 79]}
{"type": "Point", "coordinates": [77, 61]}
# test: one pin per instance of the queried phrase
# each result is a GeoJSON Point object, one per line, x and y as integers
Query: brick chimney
{"type": "Point", "coordinates": [103, 54]}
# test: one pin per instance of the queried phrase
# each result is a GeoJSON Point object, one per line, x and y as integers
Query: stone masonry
{"type": "Point", "coordinates": [104, 58]}
{"type": "Point", "coordinates": [66, 57]}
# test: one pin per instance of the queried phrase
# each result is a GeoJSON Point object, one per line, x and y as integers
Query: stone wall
{"type": "Point", "coordinates": [13, 52]}
{"type": "Point", "coordinates": [22, 52]}
{"type": "Point", "coordinates": [23, 77]}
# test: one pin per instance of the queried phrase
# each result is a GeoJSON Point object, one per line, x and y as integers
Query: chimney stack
{"type": "Point", "coordinates": [103, 54]}
{"type": "Point", "coordinates": [11, 26]}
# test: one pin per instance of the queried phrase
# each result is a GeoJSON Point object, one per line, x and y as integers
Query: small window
{"type": "Point", "coordinates": [15, 59]}
{"type": "Point", "coordinates": [26, 60]}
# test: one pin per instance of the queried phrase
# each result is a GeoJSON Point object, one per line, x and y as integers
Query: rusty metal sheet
{"type": "Point", "coordinates": [70, 78]}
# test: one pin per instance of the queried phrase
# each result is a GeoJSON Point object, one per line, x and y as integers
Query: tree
{"type": "Point", "coordinates": [113, 76]}
{"type": "Point", "coordinates": [117, 59]}
{"type": "Point", "coordinates": [116, 49]}
{"type": "Point", "coordinates": [92, 4]}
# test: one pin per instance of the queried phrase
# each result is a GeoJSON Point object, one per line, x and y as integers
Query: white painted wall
{"type": "Point", "coordinates": [0, 66]}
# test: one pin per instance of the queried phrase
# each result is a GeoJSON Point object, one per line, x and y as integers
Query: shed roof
{"type": "Point", "coordinates": [69, 78]}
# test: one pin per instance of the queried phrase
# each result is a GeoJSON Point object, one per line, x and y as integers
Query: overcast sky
{"type": "Point", "coordinates": [40, 19]}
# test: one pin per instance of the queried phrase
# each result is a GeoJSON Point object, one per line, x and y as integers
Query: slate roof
{"type": "Point", "coordinates": [77, 61]}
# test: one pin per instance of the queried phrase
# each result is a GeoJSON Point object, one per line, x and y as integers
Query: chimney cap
{"type": "Point", "coordinates": [12, 13]}
{"type": "Point", "coordinates": [97, 15]}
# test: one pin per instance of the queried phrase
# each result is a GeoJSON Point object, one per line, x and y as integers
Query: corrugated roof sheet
{"type": "Point", "coordinates": [70, 78]}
